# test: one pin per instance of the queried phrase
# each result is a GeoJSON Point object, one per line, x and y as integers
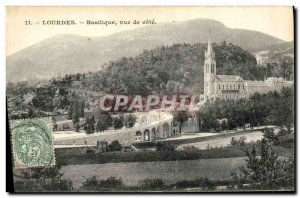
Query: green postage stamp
{"type": "Point", "coordinates": [32, 143]}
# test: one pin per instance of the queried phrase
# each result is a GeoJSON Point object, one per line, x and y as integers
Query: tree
{"type": "Point", "coordinates": [284, 70]}
{"type": "Point", "coordinates": [118, 121]}
{"type": "Point", "coordinates": [75, 117]}
{"type": "Point", "coordinates": [266, 171]}
{"type": "Point", "coordinates": [130, 120]}
{"type": "Point", "coordinates": [224, 125]}
{"type": "Point", "coordinates": [169, 69]}
{"type": "Point", "coordinates": [70, 112]}
{"type": "Point", "coordinates": [54, 124]}
{"type": "Point", "coordinates": [282, 110]}
{"type": "Point", "coordinates": [104, 121]}
{"type": "Point", "coordinates": [270, 135]}
{"type": "Point", "coordinates": [89, 125]}
{"type": "Point", "coordinates": [76, 109]}
{"type": "Point", "coordinates": [31, 112]}
{"type": "Point", "coordinates": [77, 127]}
{"type": "Point", "coordinates": [181, 117]}
{"type": "Point", "coordinates": [41, 179]}
{"type": "Point", "coordinates": [242, 141]}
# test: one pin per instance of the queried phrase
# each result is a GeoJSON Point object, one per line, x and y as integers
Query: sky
{"type": "Point", "coordinates": [274, 21]}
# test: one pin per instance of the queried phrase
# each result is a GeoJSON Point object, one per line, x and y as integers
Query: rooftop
{"type": "Point", "coordinates": [229, 78]}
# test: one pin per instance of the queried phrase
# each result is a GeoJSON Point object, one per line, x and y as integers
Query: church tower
{"type": "Point", "coordinates": [209, 71]}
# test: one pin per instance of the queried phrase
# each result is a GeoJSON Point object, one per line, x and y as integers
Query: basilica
{"type": "Point", "coordinates": [233, 86]}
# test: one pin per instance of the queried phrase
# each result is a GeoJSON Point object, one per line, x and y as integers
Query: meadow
{"type": "Point", "coordinates": [170, 172]}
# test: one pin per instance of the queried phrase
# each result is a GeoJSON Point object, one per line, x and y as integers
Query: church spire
{"type": "Point", "coordinates": [209, 45]}
{"type": "Point", "coordinates": [209, 52]}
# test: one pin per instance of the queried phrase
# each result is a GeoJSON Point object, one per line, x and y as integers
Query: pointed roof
{"type": "Point", "coordinates": [209, 46]}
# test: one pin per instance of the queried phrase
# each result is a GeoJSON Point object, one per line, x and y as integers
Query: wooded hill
{"type": "Point", "coordinates": [167, 69]}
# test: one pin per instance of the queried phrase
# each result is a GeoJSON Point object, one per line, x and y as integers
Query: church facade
{"type": "Point", "coordinates": [233, 87]}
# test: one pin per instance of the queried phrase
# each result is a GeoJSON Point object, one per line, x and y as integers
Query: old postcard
{"type": "Point", "coordinates": [151, 99]}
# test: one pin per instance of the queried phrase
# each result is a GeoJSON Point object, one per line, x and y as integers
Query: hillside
{"type": "Point", "coordinates": [279, 53]}
{"type": "Point", "coordinates": [167, 69]}
{"type": "Point", "coordinates": [278, 60]}
{"type": "Point", "coordinates": [63, 54]}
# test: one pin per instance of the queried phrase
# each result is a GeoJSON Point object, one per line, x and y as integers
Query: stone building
{"type": "Point", "coordinates": [233, 86]}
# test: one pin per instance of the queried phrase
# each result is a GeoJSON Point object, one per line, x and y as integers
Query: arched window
{"type": "Point", "coordinates": [243, 86]}
{"type": "Point", "coordinates": [230, 87]}
{"type": "Point", "coordinates": [234, 86]}
{"type": "Point", "coordinates": [219, 86]}
{"type": "Point", "coordinates": [238, 86]}
{"type": "Point", "coordinates": [223, 86]}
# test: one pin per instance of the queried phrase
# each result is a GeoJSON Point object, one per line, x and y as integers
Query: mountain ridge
{"type": "Point", "coordinates": [71, 53]}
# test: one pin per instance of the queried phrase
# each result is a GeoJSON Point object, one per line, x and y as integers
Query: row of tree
{"type": "Point", "coordinates": [260, 109]}
{"type": "Point", "coordinates": [104, 121]}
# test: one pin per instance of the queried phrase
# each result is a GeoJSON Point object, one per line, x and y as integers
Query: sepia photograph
{"type": "Point", "coordinates": [150, 99]}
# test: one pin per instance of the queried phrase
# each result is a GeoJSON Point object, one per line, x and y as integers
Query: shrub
{"type": "Point", "coordinates": [43, 185]}
{"type": "Point", "coordinates": [266, 171]}
{"type": "Point", "coordinates": [190, 148]}
{"type": "Point", "coordinates": [111, 182]}
{"type": "Point", "coordinates": [238, 142]}
{"type": "Point", "coordinates": [153, 184]}
{"type": "Point", "coordinates": [114, 146]}
{"type": "Point", "coordinates": [90, 150]}
{"type": "Point", "coordinates": [204, 183]}
{"type": "Point", "coordinates": [130, 120]}
{"type": "Point", "coordinates": [93, 184]}
{"type": "Point", "coordinates": [283, 132]}
{"type": "Point", "coordinates": [165, 146]}
{"type": "Point", "coordinates": [270, 135]}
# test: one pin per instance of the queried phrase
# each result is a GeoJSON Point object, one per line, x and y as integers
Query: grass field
{"type": "Point", "coordinates": [170, 171]}
{"type": "Point", "coordinates": [75, 156]}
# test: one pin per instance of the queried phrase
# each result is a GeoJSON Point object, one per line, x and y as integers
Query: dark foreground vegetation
{"type": "Point", "coordinates": [264, 170]}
